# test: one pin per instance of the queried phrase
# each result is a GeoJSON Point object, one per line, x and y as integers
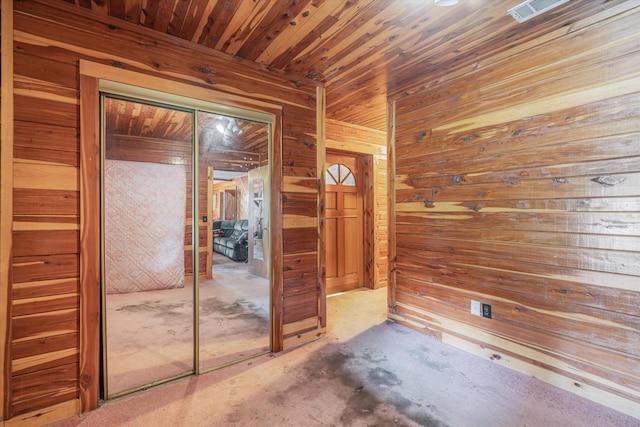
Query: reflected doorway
{"type": "Point", "coordinates": [235, 301]}
{"type": "Point", "coordinates": [162, 219]}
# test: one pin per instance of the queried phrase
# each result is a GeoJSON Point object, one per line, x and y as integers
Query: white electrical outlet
{"type": "Point", "coordinates": [476, 308]}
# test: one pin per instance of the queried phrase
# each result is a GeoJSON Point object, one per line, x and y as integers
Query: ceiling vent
{"type": "Point", "coordinates": [530, 8]}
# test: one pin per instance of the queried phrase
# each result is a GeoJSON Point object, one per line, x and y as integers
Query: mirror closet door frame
{"type": "Point", "coordinates": [271, 117]}
{"type": "Point", "coordinates": [136, 171]}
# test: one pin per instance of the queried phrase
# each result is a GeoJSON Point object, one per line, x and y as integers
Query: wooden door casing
{"type": "Point", "coordinates": [344, 227]}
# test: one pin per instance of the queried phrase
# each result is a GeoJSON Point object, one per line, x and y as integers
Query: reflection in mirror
{"type": "Point", "coordinates": [147, 259]}
{"type": "Point", "coordinates": [235, 298]}
{"type": "Point", "coordinates": [257, 216]}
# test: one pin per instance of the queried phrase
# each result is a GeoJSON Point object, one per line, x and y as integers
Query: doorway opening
{"type": "Point", "coordinates": [349, 222]}
{"type": "Point", "coordinates": [178, 294]}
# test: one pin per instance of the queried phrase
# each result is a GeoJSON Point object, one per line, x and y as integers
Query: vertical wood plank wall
{"type": "Point", "coordinates": [50, 39]}
{"type": "Point", "coordinates": [517, 184]}
{"type": "Point", "coordinates": [373, 142]}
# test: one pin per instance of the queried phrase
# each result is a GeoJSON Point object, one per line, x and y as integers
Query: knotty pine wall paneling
{"type": "Point", "coordinates": [517, 184]}
{"type": "Point", "coordinates": [373, 144]}
{"type": "Point", "coordinates": [303, 315]}
{"type": "Point", "coordinates": [52, 353]}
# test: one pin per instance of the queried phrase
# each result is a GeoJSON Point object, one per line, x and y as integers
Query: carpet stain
{"type": "Point", "coordinates": [423, 415]}
{"type": "Point", "coordinates": [240, 309]}
{"type": "Point", "coordinates": [383, 377]}
{"type": "Point", "coordinates": [423, 355]}
{"type": "Point", "coordinates": [151, 306]}
{"type": "Point", "coordinates": [239, 319]}
{"type": "Point", "coordinates": [374, 355]}
{"type": "Point", "coordinates": [366, 392]}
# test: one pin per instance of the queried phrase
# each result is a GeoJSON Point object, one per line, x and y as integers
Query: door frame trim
{"type": "Point", "coordinates": [6, 203]}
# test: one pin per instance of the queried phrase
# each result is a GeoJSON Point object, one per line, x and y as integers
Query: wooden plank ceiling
{"type": "Point", "coordinates": [358, 48]}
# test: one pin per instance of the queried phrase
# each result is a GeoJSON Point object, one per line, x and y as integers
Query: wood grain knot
{"type": "Point", "coordinates": [608, 181]}
{"type": "Point", "coordinates": [85, 381]}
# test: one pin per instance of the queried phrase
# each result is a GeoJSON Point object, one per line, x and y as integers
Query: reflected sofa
{"type": "Point", "coordinates": [230, 238]}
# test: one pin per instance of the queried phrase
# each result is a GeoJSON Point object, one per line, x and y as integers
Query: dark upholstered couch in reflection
{"type": "Point", "coordinates": [230, 238]}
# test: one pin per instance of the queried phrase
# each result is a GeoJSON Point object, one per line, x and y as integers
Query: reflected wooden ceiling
{"type": "Point", "coordinates": [150, 133]}
{"type": "Point", "coordinates": [360, 49]}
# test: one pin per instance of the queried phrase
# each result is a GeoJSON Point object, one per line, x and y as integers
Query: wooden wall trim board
{"type": "Point", "coordinates": [321, 168]}
{"type": "Point", "coordinates": [354, 138]}
{"type": "Point", "coordinates": [56, 37]}
{"type": "Point", "coordinates": [370, 233]}
{"type": "Point", "coordinates": [277, 239]}
{"type": "Point", "coordinates": [186, 94]}
{"type": "Point", "coordinates": [507, 178]}
{"type": "Point", "coordinates": [391, 175]}
{"type": "Point", "coordinates": [90, 250]}
{"type": "Point", "coordinates": [6, 199]}
{"type": "Point", "coordinates": [301, 338]}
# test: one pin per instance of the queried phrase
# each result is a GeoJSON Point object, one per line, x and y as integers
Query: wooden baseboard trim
{"type": "Point", "coordinates": [593, 388]}
{"type": "Point", "coordinates": [582, 389]}
{"type": "Point", "coordinates": [45, 416]}
{"type": "Point", "coordinates": [304, 338]}
{"type": "Point", "coordinates": [301, 325]}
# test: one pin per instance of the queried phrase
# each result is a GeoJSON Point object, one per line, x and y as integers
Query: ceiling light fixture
{"type": "Point", "coordinates": [445, 2]}
{"type": "Point", "coordinates": [228, 126]}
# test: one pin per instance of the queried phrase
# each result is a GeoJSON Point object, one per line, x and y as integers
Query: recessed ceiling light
{"type": "Point", "coordinates": [445, 2]}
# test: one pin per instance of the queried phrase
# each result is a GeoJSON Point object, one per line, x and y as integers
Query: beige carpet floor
{"type": "Point", "coordinates": [150, 335]}
{"type": "Point", "coordinates": [367, 371]}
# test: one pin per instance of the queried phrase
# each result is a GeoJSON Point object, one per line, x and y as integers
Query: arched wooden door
{"type": "Point", "coordinates": [344, 223]}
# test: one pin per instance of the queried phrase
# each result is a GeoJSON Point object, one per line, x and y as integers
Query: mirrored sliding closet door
{"type": "Point", "coordinates": [147, 236]}
{"type": "Point", "coordinates": [235, 300]}
{"type": "Point", "coordinates": [186, 219]}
